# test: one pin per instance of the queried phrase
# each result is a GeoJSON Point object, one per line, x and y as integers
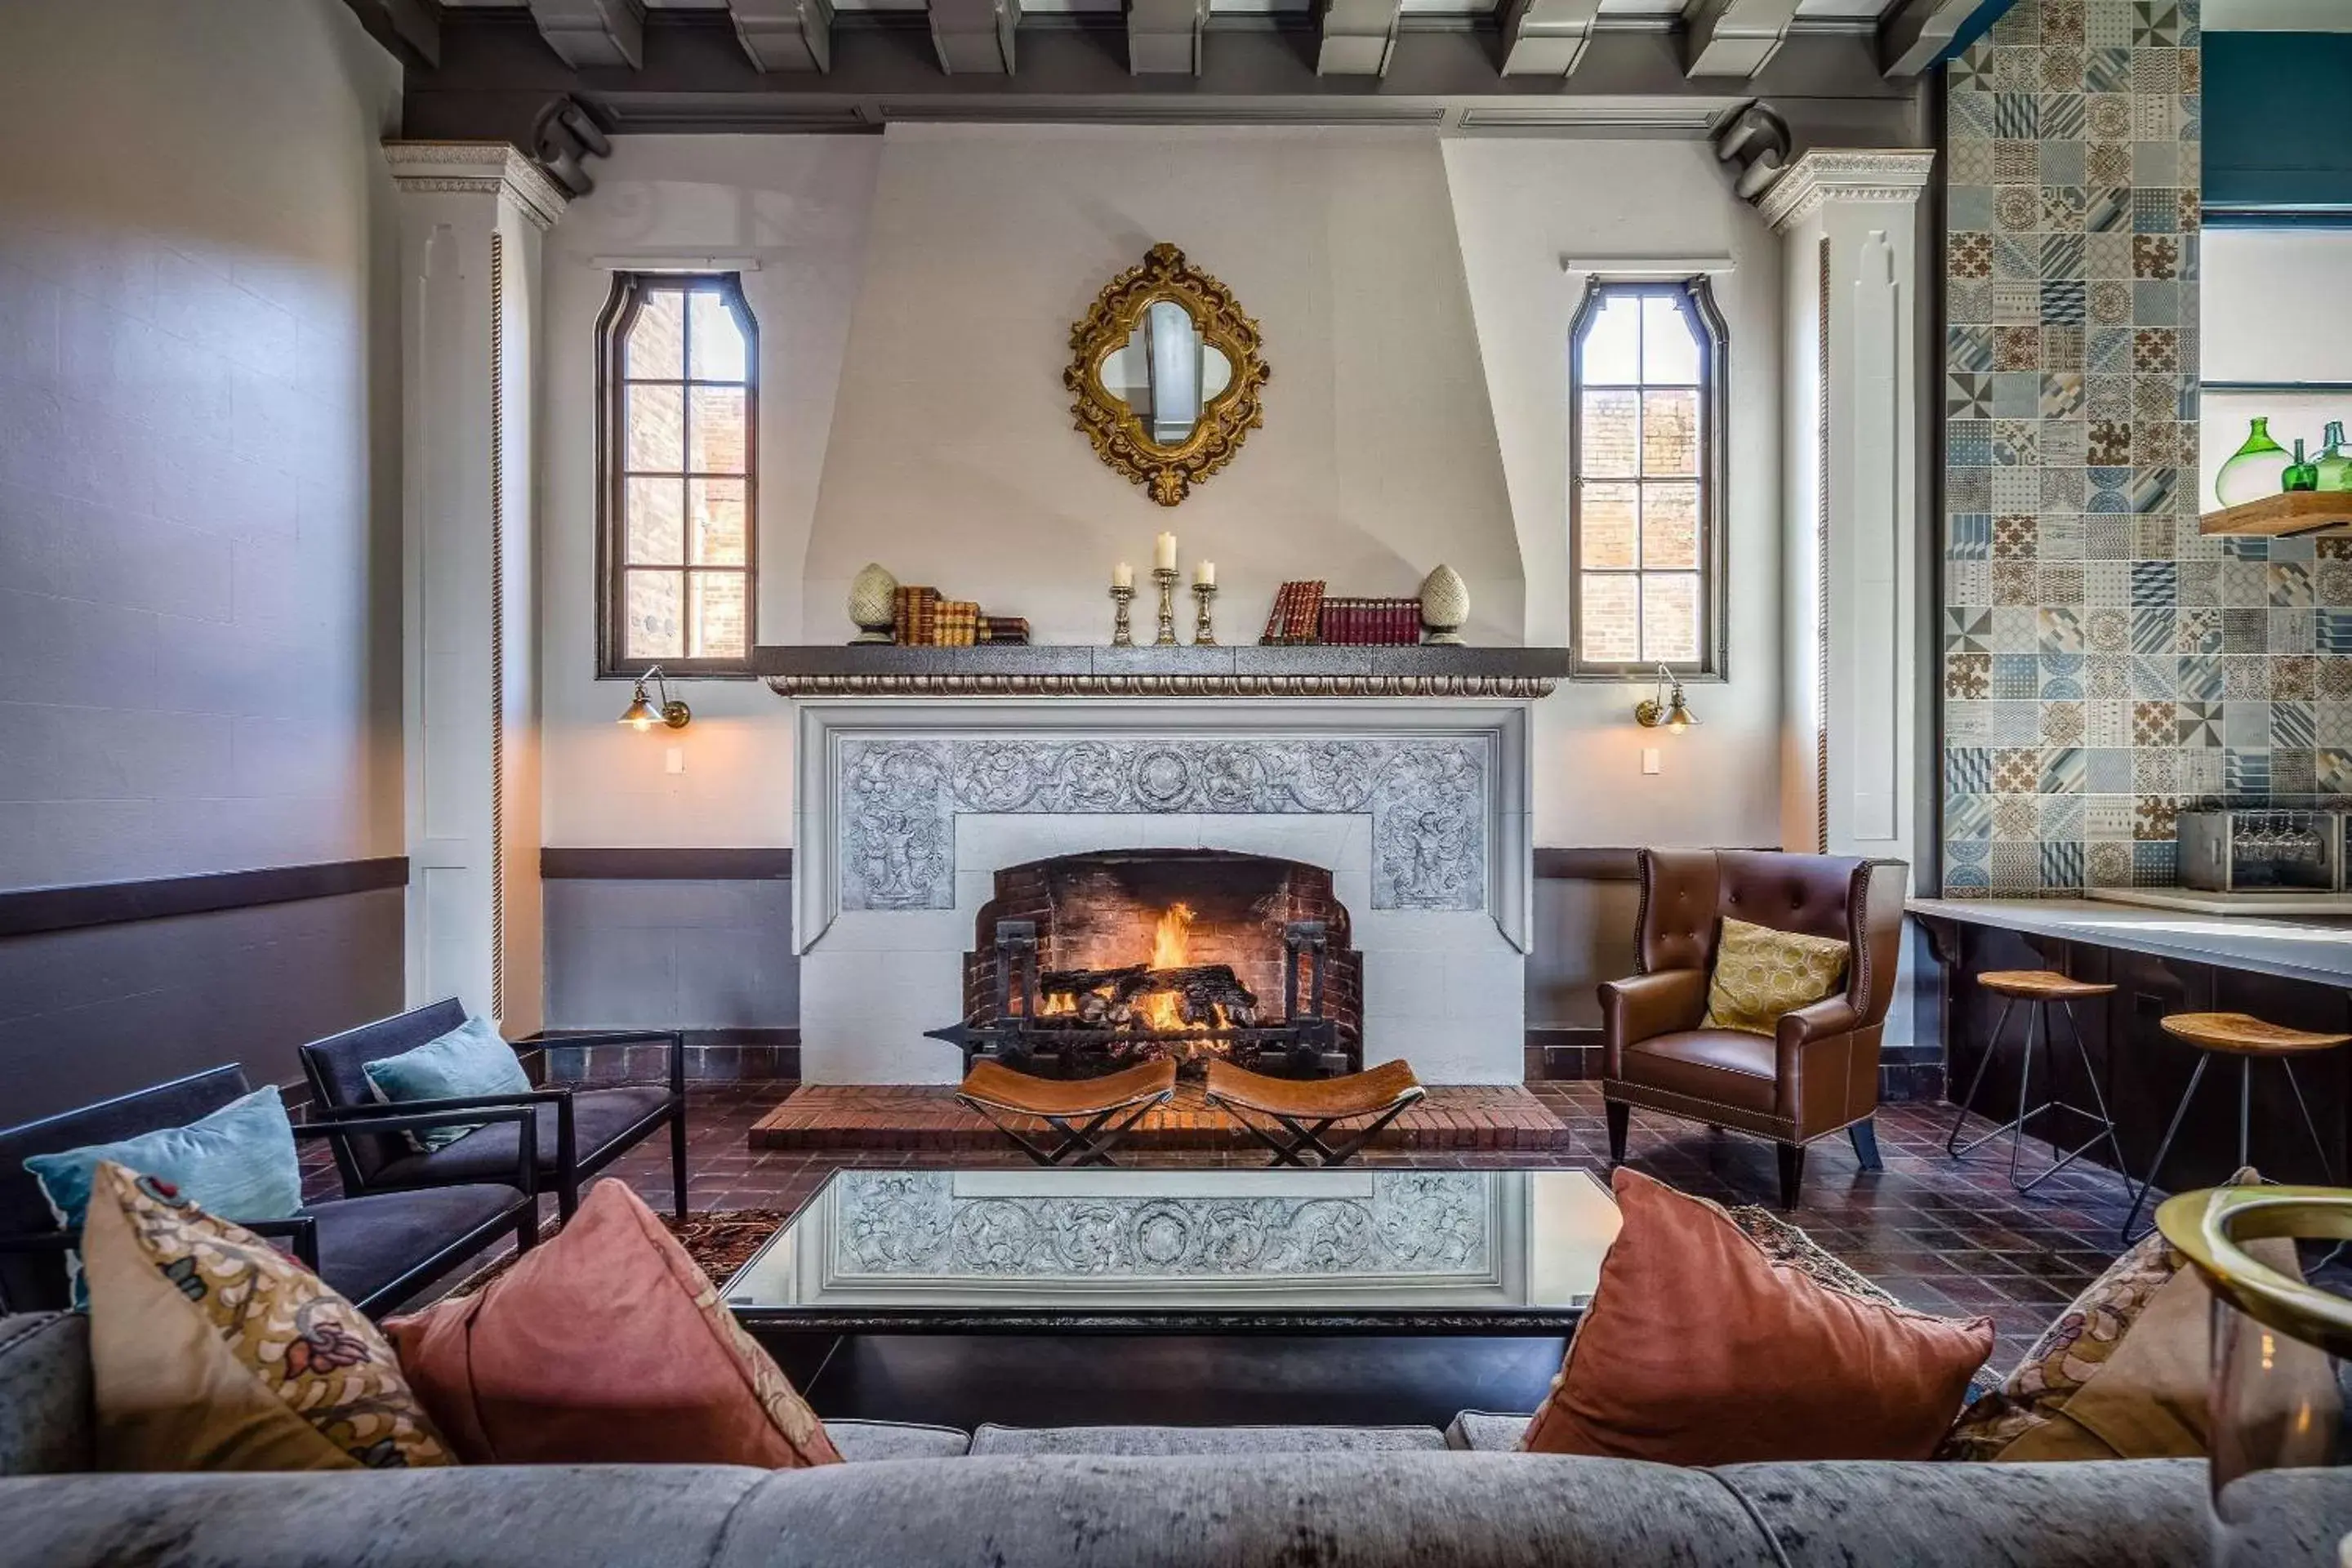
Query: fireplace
{"type": "Point", "coordinates": [1087, 962]}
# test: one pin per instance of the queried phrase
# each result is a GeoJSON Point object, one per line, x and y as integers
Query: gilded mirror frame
{"type": "Point", "coordinates": [1119, 440]}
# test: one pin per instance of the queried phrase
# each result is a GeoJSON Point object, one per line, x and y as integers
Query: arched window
{"type": "Point", "coordinates": [677, 381]}
{"type": "Point", "coordinates": [1645, 509]}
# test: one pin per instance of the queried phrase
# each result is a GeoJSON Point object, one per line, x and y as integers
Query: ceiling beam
{"type": "Point", "coordinates": [411, 29]}
{"type": "Point", "coordinates": [1736, 37]}
{"type": "Point", "coordinates": [784, 35]}
{"type": "Point", "coordinates": [1919, 33]}
{"type": "Point", "coordinates": [586, 34]}
{"type": "Point", "coordinates": [1357, 38]}
{"type": "Point", "coordinates": [974, 38]}
{"type": "Point", "coordinates": [1546, 38]}
{"type": "Point", "coordinates": [1163, 36]}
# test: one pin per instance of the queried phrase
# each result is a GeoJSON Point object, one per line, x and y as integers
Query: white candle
{"type": "Point", "coordinates": [1163, 554]}
{"type": "Point", "coordinates": [1205, 574]}
{"type": "Point", "coordinates": [1122, 575]}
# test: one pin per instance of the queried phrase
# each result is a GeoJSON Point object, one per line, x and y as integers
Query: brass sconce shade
{"type": "Point", "coordinates": [643, 714]}
{"type": "Point", "coordinates": [1665, 706]}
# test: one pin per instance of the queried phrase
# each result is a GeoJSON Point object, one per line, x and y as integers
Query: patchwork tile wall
{"type": "Point", "coordinates": [2103, 663]}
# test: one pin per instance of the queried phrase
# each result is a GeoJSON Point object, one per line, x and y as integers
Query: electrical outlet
{"type": "Point", "coordinates": [676, 760]}
{"type": "Point", "coordinates": [1649, 759]}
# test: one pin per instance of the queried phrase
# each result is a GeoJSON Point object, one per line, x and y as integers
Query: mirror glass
{"type": "Point", "coordinates": [1166, 374]}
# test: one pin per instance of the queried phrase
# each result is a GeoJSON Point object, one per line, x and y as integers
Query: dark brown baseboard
{"type": "Point", "coordinates": [712, 1055]}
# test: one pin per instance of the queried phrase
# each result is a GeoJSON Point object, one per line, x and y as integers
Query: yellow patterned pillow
{"type": "Point", "coordinates": [210, 1350]}
{"type": "Point", "coordinates": [1760, 974]}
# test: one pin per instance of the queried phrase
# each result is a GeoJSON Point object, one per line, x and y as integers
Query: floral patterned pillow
{"type": "Point", "coordinates": [210, 1350]}
{"type": "Point", "coordinates": [2042, 1410]}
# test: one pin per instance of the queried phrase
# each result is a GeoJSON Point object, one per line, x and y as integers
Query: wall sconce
{"type": "Point", "coordinates": [642, 715]}
{"type": "Point", "coordinates": [1664, 707]}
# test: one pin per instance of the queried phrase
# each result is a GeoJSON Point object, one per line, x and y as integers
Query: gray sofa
{"type": "Point", "coordinates": [1078, 1497]}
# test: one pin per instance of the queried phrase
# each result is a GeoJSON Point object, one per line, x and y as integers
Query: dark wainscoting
{"type": "Point", "coordinates": [92, 1008]}
{"type": "Point", "coordinates": [2143, 1071]}
{"type": "Point", "coordinates": [665, 865]}
{"type": "Point", "coordinates": [31, 911]}
{"type": "Point", "coordinates": [713, 1056]}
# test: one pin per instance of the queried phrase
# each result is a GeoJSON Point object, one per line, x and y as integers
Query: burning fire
{"type": "Point", "coordinates": [1170, 943]}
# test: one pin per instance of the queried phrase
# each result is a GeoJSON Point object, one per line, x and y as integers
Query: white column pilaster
{"type": "Point", "coordinates": [1856, 331]}
{"type": "Point", "coordinates": [471, 218]}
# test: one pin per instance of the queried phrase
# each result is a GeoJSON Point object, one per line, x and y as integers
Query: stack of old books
{"type": "Point", "coordinates": [1304, 612]}
{"type": "Point", "coordinates": [1298, 615]}
{"type": "Point", "coordinates": [922, 618]}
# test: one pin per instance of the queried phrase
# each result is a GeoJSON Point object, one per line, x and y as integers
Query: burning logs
{"type": "Point", "coordinates": [1197, 996]}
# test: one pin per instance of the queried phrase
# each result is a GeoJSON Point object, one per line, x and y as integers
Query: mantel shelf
{"type": "Point", "coordinates": [2282, 516]}
{"type": "Point", "coordinates": [879, 670]}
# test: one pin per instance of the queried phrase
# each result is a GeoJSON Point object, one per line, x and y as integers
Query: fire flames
{"type": "Point", "coordinates": [1157, 1011]}
{"type": "Point", "coordinates": [1170, 943]}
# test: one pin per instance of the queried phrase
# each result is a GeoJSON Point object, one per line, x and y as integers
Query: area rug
{"type": "Point", "coordinates": [720, 1240]}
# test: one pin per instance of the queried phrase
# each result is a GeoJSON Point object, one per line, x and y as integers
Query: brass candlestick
{"type": "Point", "coordinates": [1165, 577]}
{"type": "Point", "coordinates": [1121, 634]}
{"type": "Point", "coordinates": [1203, 634]}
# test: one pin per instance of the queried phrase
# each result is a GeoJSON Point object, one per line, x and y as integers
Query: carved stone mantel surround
{"type": "Point", "coordinates": [905, 808]}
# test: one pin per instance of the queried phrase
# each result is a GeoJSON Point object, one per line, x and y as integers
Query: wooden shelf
{"type": "Point", "coordinates": [2282, 516]}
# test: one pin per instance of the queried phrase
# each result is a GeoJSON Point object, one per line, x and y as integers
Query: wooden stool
{"type": "Point", "coordinates": [2038, 988]}
{"type": "Point", "coordinates": [1382, 1093]}
{"type": "Point", "coordinates": [1111, 1104]}
{"type": "Point", "coordinates": [2248, 1038]}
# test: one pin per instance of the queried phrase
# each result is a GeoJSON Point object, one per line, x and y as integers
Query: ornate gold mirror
{"type": "Point", "coordinates": [1167, 375]}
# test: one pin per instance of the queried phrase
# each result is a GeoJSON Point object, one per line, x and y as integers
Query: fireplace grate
{"type": "Point", "coordinates": [1023, 1033]}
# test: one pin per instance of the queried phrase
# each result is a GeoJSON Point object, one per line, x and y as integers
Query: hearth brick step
{"type": "Point", "coordinates": [925, 1118]}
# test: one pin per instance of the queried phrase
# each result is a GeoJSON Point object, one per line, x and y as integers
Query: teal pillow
{"type": "Point", "coordinates": [467, 1063]}
{"type": "Point", "coordinates": [237, 1163]}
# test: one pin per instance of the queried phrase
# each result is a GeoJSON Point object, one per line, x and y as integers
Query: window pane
{"type": "Point", "coordinates": [655, 624]}
{"type": "Point", "coordinates": [656, 523]}
{"type": "Point", "coordinates": [1608, 616]}
{"type": "Point", "coordinates": [717, 434]}
{"type": "Point", "coordinates": [1670, 526]}
{"type": "Point", "coordinates": [716, 506]}
{"type": "Point", "coordinates": [717, 340]}
{"type": "Point", "coordinates": [1610, 517]}
{"type": "Point", "coordinates": [1669, 349]}
{"type": "Point", "coordinates": [1669, 433]}
{"type": "Point", "coordinates": [656, 427]}
{"type": "Point", "coordinates": [1611, 353]}
{"type": "Point", "coordinates": [1669, 617]}
{"type": "Point", "coordinates": [1611, 433]}
{"type": "Point", "coordinates": [719, 615]}
{"type": "Point", "coordinates": [656, 346]}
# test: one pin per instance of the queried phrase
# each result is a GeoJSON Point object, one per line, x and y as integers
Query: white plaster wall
{"type": "Point", "coordinates": [1522, 205]}
{"type": "Point", "coordinates": [199, 440]}
{"type": "Point", "coordinates": [2263, 294]}
{"type": "Point", "coordinates": [953, 459]}
{"type": "Point", "coordinates": [798, 207]}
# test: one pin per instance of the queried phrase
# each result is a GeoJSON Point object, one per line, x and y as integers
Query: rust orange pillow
{"type": "Point", "coordinates": [1699, 1350]}
{"type": "Point", "coordinates": [607, 1345]}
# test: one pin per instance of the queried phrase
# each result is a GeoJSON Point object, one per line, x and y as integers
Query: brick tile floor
{"type": "Point", "coordinates": [925, 1118]}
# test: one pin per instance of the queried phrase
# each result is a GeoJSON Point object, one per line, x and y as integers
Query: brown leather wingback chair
{"type": "Point", "coordinates": [1819, 1074]}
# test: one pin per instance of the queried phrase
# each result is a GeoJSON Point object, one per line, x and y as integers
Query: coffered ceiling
{"type": "Point", "coordinates": [1622, 67]}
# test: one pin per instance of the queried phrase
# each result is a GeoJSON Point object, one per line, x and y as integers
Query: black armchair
{"type": "Point", "coordinates": [580, 1130]}
{"type": "Point", "coordinates": [375, 1251]}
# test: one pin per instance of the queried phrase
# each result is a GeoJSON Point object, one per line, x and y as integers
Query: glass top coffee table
{"type": "Point", "coordinates": [1357, 1250]}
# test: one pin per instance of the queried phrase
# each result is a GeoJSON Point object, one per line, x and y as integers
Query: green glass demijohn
{"type": "Point", "coordinates": [2334, 465]}
{"type": "Point", "coordinates": [2300, 474]}
{"type": "Point", "coordinates": [2252, 473]}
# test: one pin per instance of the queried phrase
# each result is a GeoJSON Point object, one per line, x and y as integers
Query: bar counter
{"type": "Point", "coordinates": [2294, 971]}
